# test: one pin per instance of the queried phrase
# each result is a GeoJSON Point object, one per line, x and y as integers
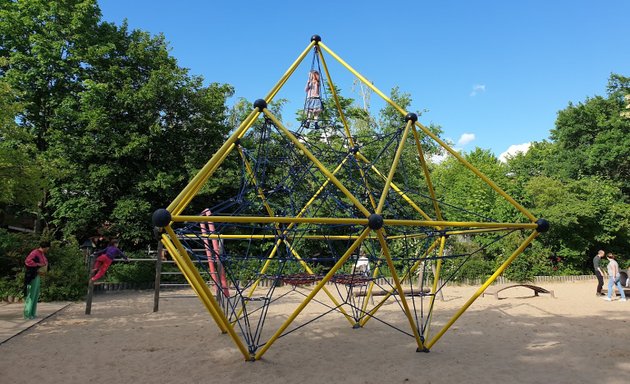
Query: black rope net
{"type": "Point", "coordinates": [254, 265]}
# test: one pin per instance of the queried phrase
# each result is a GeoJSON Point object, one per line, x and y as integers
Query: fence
{"type": "Point", "coordinates": [158, 285]}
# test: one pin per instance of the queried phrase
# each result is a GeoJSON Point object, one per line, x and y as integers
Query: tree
{"type": "Point", "coordinates": [585, 215]}
{"type": "Point", "coordinates": [21, 176]}
{"type": "Point", "coordinates": [593, 139]}
{"type": "Point", "coordinates": [116, 121]}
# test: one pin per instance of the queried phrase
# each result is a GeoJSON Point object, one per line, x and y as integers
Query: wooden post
{"type": "Point", "coordinates": [90, 291]}
{"type": "Point", "coordinates": [158, 276]}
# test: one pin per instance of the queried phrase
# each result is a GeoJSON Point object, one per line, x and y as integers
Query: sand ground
{"type": "Point", "coordinates": [572, 338]}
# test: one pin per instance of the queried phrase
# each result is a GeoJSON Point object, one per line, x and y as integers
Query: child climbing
{"type": "Point", "coordinates": [105, 258]}
{"type": "Point", "coordinates": [313, 100]}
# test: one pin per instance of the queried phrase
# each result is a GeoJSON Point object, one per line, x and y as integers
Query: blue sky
{"type": "Point", "coordinates": [492, 74]}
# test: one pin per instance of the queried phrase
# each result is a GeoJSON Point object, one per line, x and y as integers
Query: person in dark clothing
{"type": "Point", "coordinates": [598, 272]}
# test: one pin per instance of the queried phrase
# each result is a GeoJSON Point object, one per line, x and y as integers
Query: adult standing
{"type": "Point", "coordinates": [614, 278]}
{"type": "Point", "coordinates": [598, 272]}
{"type": "Point", "coordinates": [36, 266]}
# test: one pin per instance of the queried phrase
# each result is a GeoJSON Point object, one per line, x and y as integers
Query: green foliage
{"type": "Point", "coordinates": [65, 280]}
{"type": "Point", "coordinates": [110, 116]}
{"type": "Point", "coordinates": [97, 121]}
{"type": "Point", "coordinates": [131, 272]}
{"type": "Point", "coordinates": [593, 137]}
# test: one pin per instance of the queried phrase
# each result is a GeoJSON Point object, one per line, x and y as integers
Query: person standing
{"type": "Point", "coordinates": [598, 272]}
{"type": "Point", "coordinates": [105, 259]}
{"type": "Point", "coordinates": [614, 278]}
{"type": "Point", "coordinates": [313, 101]}
{"type": "Point", "coordinates": [36, 266]}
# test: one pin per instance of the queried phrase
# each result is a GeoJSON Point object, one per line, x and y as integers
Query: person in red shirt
{"type": "Point", "coordinates": [36, 265]}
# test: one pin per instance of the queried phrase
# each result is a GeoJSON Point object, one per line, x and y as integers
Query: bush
{"type": "Point", "coordinates": [131, 272]}
{"type": "Point", "coordinates": [66, 279]}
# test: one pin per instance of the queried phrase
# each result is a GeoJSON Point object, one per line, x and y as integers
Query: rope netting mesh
{"type": "Point", "coordinates": [258, 259]}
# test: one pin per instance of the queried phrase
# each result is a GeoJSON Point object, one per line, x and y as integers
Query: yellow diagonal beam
{"type": "Point", "coordinates": [427, 175]}
{"type": "Point", "coordinates": [459, 157]}
{"type": "Point", "coordinates": [180, 202]}
{"type": "Point", "coordinates": [288, 73]}
{"type": "Point", "coordinates": [317, 163]}
{"type": "Point", "coordinates": [394, 167]}
{"type": "Point", "coordinates": [434, 287]}
{"type": "Point", "coordinates": [172, 250]}
{"type": "Point", "coordinates": [331, 86]}
{"type": "Point", "coordinates": [202, 289]}
{"type": "Point", "coordinates": [193, 187]}
{"type": "Point", "coordinates": [392, 290]}
{"type": "Point", "coordinates": [481, 289]}
{"type": "Point", "coordinates": [401, 292]}
{"type": "Point", "coordinates": [326, 291]}
{"type": "Point", "coordinates": [399, 191]}
{"type": "Point", "coordinates": [318, 287]}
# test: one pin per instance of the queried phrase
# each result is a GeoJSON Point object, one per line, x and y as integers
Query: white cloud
{"type": "Point", "coordinates": [513, 150]}
{"type": "Point", "coordinates": [466, 138]}
{"type": "Point", "coordinates": [478, 88]}
{"type": "Point", "coordinates": [439, 157]}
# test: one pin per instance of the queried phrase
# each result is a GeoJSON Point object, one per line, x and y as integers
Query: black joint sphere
{"type": "Point", "coordinates": [543, 225]}
{"type": "Point", "coordinates": [260, 104]}
{"type": "Point", "coordinates": [375, 221]}
{"type": "Point", "coordinates": [161, 217]}
{"type": "Point", "coordinates": [411, 116]}
{"type": "Point", "coordinates": [316, 39]}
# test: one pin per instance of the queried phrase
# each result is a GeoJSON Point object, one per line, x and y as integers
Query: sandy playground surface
{"type": "Point", "coordinates": [573, 338]}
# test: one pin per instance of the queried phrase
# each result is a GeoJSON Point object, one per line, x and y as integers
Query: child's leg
{"type": "Point", "coordinates": [97, 265]}
{"type": "Point", "coordinates": [104, 263]}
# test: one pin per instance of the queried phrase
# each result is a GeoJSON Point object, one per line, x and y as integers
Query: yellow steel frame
{"type": "Point", "coordinates": [413, 130]}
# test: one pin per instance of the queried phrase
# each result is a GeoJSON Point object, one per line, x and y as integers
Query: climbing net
{"type": "Point", "coordinates": [346, 222]}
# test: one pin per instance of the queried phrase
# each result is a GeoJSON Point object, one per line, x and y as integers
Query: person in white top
{"type": "Point", "coordinates": [614, 278]}
{"type": "Point", "coordinates": [363, 265]}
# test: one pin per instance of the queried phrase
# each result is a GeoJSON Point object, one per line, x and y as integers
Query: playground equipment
{"type": "Point", "coordinates": [309, 202]}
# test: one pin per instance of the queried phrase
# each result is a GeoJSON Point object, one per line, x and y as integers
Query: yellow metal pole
{"type": "Point", "coordinates": [319, 165]}
{"type": "Point", "coordinates": [182, 267]}
{"type": "Point", "coordinates": [401, 292]}
{"type": "Point", "coordinates": [317, 193]}
{"type": "Point", "coordinates": [204, 291]}
{"type": "Point", "coordinates": [433, 136]}
{"type": "Point", "coordinates": [392, 170]}
{"type": "Point", "coordinates": [481, 289]}
{"type": "Point", "coordinates": [202, 176]}
{"type": "Point", "coordinates": [326, 291]}
{"type": "Point", "coordinates": [288, 73]}
{"type": "Point", "coordinates": [427, 175]}
{"type": "Point", "coordinates": [434, 288]}
{"type": "Point", "coordinates": [395, 187]}
{"type": "Point", "coordinates": [439, 223]}
{"type": "Point", "coordinates": [314, 292]}
{"type": "Point", "coordinates": [350, 221]}
{"type": "Point", "coordinates": [267, 219]}
{"type": "Point", "coordinates": [391, 291]}
{"type": "Point", "coordinates": [331, 85]}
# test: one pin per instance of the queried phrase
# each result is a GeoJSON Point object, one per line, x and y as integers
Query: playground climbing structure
{"type": "Point", "coordinates": [345, 221]}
